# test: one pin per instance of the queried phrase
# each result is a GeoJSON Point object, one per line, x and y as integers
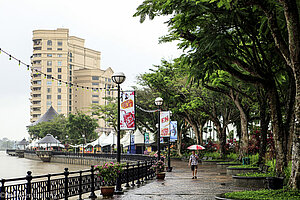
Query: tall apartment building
{"type": "Point", "coordinates": [64, 57]}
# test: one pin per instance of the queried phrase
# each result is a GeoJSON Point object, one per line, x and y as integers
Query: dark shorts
{"type": "Point", "coordinates": [193, 167]}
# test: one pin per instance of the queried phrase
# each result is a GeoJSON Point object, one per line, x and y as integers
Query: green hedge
{"type": "Point", "coordinates": [281, 194]}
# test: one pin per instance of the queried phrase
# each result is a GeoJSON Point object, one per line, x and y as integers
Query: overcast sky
{"type": "Point", "coordinates": [106, 25]}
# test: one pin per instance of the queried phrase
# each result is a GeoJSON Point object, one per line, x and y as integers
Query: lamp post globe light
{"type": "Point", "coordinates": [158, 101]}
{"type": "Point", "coordinates": [118, 78]}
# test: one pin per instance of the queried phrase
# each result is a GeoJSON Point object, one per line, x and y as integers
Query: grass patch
{"type": "Point", "coordinates": [258, 174]}
{"type": "Point", "coordinates": [243, 166]}
{"type": "Point", "coordinates": [265, 195]}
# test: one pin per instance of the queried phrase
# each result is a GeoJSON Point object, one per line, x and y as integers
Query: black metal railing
{"type": "Point", "coordinates": [134, 157]}
{"type": "Point", "coordinates": [67, 184]}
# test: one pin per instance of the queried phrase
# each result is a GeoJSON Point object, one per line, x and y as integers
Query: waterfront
{"type": "Point", "coordinates": [12, 166]}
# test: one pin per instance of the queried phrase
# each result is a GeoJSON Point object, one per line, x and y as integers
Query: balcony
{"type": "Point", "coordinates": [37, 42]}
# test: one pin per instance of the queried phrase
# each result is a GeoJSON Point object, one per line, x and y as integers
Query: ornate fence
{"type": "Point", "coordinates": [68, 184]}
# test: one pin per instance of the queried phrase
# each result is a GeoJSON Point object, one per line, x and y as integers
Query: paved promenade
{"type": "Point", "coordinates": [180, 185]}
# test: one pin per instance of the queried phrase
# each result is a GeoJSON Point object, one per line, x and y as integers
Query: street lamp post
{"type": "Point", "coordinates": [169, 146]}
{"type": "Point", "coordinates": [158, 101]}
{"type": "Point", "coordinates": [83, 145]}
{"type": "Point", "coordinates": [144, 130]}
{"type": "Point", "coordinates": [118, 78]}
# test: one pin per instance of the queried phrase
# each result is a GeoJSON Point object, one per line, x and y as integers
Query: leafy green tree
{"type": "Point", "coordinates": [80, 124]}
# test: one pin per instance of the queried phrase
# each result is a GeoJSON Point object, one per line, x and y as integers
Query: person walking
{"type": "Point", "coordinates": [193, 162]}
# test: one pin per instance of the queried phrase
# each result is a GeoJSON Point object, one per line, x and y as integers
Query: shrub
{"type": "Point", "coordinates": [214, 155]}
{"type": "Point", "coordinates": [232, 156]}
{"type": "Point", "coordinates": [265, 194]}
{"type": "Point", "coordinates": [108, 172]}
{"type": "Point", "coordinates": [258, 174]}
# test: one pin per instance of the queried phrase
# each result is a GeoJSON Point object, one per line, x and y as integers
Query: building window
{"type": "Point", "coordinates": [49, 63]}
{"type": "Point", "coordinates": [58, 63]}
{"type": "Point", "coordinates": [49, 83]}
{"type": "Point", "coordinates": [39, 82]}
{"type": "Point", "coordinates": [49, 49]}
{"type": "Point", "coordinates": [70, 66]}
{"type": "Point", "coordinates": [71, 55]}
{"type": "Point", "coordinates": [37, 48]}
{"type": "Point", "coordinates": [95, 95]}
{"type": "Point", "coordinates": [70, 73]}
{"type": "Point", "coordinates": [59, 43]}
{"type": "Point", "coordinates": [59, 76]}
{"type": "Point", "coordinates": [93, 83]}
{"type": "Point", "coordinates": [71, 60]}
{"type": "Point", "coordinates": [70, 78]}
{"type": "Point", "coordinates": [49, 55]}
{"type": "Point", "coordinates": [58, 70]}
{"type": "Point", "coordinates": [70, 103]}
{"type": "Point", "coordinates": [49, 103]}
{"type": "Point", "coordinates": [70, 96]}
{"type": "Point", "coordinates": [59, 103]}
{"type": "Point", "coordinates": [59, 96]}
{"type": "Point", "coordinates": [49, 90]}
{"type": "Point", "coordinates": [49, 69]}
{"type": "Point", "coordinates": [95, 101]}
{"type": "Point", "coordinates": [95, 78]}
{"type": "Point", "coordinates": [48, 96]}
{"type": "Point", "coordinates": [59, 49]}
{"type": "Point", "coordinates": [59, 90]}
{"type": "Point", "coordinates": [70, 90]}
{"type": "Point", "coordinates": [49, 77]}
{"type": "Point", "coordinates": [70, 109]}
{"type": "Point", "coordinates": [59, 109]}
{"type": "Point", "coordinates": [109, 80]}
{"type": "Point", "coordinates": [59, 55]}
{"type": "Point", "coordinates": [49, 42]}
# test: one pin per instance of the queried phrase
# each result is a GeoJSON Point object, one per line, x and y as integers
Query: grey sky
{"type": "Point", "coordinates": [106, 25]}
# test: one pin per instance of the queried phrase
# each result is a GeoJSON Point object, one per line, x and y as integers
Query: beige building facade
{"type": "Point", "coordinates": [65, 58]}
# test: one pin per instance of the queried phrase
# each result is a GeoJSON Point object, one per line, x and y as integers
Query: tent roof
{"type": "Point", "coordinates": [48, 139]}
{"type": "Point", "coordinates": [23, 142]}
{"type": "Point", "coordinates": [111, 139]}
{"type": "Point", "coordinates": [125, 141]}
{"type": "Point", "coordinates": [49, 115]}
{"type": "Point", "coordinates": [138, 137]}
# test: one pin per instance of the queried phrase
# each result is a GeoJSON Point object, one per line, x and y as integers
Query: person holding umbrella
{"type": "Point", "coordinates": [193, 162]}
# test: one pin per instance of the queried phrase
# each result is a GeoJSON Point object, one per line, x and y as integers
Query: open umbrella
{"type": "Point", "coordinates": [196, 147]}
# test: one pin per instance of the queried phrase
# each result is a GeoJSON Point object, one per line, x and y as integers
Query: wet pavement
{"type": "Point", "coordinates": [179, 184]}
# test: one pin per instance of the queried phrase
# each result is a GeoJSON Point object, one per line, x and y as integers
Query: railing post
{"type": "Point", "coordinates": [80, 185]}
{"type": "Point", "coordinates": [146, 170]}
{"type": "Point", "coordinates": [132, 184]}
{"type": "Point", "coordinates": [28, 185]}
{"type": "Point", "coordinates": [2, 189]}
{"type": "Point", "coordinates": [127, 176]}
{"type": "Point", "coordinates": [49, 187]}
{"type": "Point", "coordinates": [66, 173]}
{"type": "Point", "coordinates": [92, 195]}
{"type": "Point", "coordinates": [138, 174]}
{"type": "Point", "coordinates": [152, 171]}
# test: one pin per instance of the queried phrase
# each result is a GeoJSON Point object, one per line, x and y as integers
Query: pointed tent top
{"type": "Point", "coordinates": [23, 142]}
{"type": "Point", "coordinates": [48, 139]}
{"type": "Point", "coordinates": [49, 115]}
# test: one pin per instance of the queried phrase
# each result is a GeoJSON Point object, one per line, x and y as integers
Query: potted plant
{"type": "Point", "coordinates": [159, 167]}
{"type": "Point", "coordinates": [108, 174]}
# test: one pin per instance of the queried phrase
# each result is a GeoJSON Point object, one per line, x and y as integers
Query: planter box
{"type": "Point", "coordinates": [212, 162]}
{"type": "Point", "coordinates": [235, 171]}
{"type": "Point", "coordinates": [249, 182]}
{"type": "Point", "coordinates": [225, 165]}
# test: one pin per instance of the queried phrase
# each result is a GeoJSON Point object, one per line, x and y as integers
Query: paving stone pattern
{"type": "Point", "coordinates": [179, 184]}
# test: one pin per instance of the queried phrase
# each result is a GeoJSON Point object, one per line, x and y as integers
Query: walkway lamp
{"type": "Point", "coordinates": [83, 136]}
{"type": "Point", "coordinates": [144, 130]}
{"type": "Point", "coordinates": [118, 78]}
{"type": "Point", "coordinates": [158, 101]}
{"type": "Point", "coordinates": [169, 146]}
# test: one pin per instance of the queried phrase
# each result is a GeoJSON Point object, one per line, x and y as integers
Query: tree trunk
{"type": "Point", "coordinates": [222, 139]}
{"type": "Point", "coordinates": [179, 142]}
{"type": "Point", "coordinates": [277, 127]}
{"type": "Point", "coordinates": [264, 122]}
{"type": "Point", "coordinates": [201, 133]}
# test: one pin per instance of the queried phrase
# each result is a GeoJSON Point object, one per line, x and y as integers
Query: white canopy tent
{"type": "Point", "coordinates": [111, 139]}
{"type": "Point", "coordinates": [125, 141]}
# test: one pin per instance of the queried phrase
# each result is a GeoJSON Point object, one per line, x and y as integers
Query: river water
{"type": "Point", "coordinates": [14, 167]}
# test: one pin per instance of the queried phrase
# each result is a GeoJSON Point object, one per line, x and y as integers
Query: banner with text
{"type": "Point", "coordinates": [127, 110]}
{"type": "Point", "coordinates": [173, 131]}
{"type": "Point", "coordinates": [146, 138]}
{"type": "Point", "coordinates": [165, 124]}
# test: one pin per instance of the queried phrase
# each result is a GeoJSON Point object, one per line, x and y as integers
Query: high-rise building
{"type": "Point", "coordinates": [64, 57]}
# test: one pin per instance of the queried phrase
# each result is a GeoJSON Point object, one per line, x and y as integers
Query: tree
{"type": "Point", "coordinates": [80, 124]}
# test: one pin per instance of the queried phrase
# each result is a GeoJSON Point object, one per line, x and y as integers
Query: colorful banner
{"type": "Point", "coordinates": [161, 140]}
{"type": "Point", "coordinates": [173, 131]}
{"type": "Point", "coordinates": [165, 124]}
{"type": "Point", "coordinates": [127, 110]}
{"type": "Point", "coordinates": [131, 139]}
{"type": "Point", "coordinates": [146, 138]}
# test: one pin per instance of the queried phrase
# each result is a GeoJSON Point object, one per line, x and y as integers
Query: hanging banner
{"type": "Point", "coordinates": [161, 140]}
{"type": "Point", "coordinates": [131, 139]}
{"type": "Point", "coordinates": [127, 110]}
{"type": "Point", "coordinates": [173, 131]}
{"type": "Point", "coordinates": [165, 124]}
{"type": "Point", "coordinates": [146, 138]}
